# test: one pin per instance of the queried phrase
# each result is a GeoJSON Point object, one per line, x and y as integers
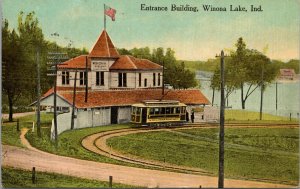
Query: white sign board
{"type": "Point", "coordinates": [99, 66]}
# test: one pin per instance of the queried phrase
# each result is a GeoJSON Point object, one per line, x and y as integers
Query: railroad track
{"type": "Point", "coordinates": [97, 144]}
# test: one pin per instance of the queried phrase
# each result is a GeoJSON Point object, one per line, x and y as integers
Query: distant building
{"type": "Point", "coordinates": [287, 74]}
{"type": "Point", "coordinates": [115, 82]}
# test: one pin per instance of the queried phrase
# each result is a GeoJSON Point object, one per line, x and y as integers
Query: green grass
{"type": "Point", "coordinates": [69, 143]}
{"type": "Point", "coordinates": [165, 145]}
{"type": "Point", "coordinates": [244, 116]}
{"type": "Point", "coordinates": [17, 178]}
{"type": "Point", "coordinates": [11, 136]}
{"type": "Point", "coordinates": [250, 153]}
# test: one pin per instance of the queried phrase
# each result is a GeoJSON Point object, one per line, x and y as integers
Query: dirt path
{"type": "Point", "coordinates": [43, 161]}
{"type": "Point", "coordinates": [16, 115]}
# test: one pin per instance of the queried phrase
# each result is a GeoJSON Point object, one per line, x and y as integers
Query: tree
{"type": "Point", "coordinates": [32, 39]}
{"type": "Point", "coordinates": [247, 68]}
{"type": "Point", "coordinates": [244, 70]}
{"type": "Point", "coordinates": [14, 82]}
{"type": "Point", "coordinates": [230, 84]}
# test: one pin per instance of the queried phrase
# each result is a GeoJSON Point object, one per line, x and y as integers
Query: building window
{"type": "Point", "coordinates": [122, 80]}
{"type": "Point", "coordinates": [100, 78]}
{"type": "Point", "coordinates": [154, 81]}
{"type": "Point", "coordinates": [65, 78]}
{"type": "Point", "coordinates": [158, 80]}
{"type": "Point", "coordinates": [140, 79]}
{"type": "Point", "coordinates": [82, 78]}
{"type": "Point", "coordinates": [145, 83]}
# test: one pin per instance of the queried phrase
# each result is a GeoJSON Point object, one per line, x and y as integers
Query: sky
{"type": "Point", "coordinates": [192, 35]}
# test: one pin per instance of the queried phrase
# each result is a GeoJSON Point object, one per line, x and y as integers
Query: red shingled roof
{"type": "Point", "coordinates": [127, 62]}
{"type": "Point", "coordinates": [104, 47]}
{"type": "Point", "coordinates": [129, 97]}
{"type": "Point", "coordinates": [50, 91]}
{"type": "Point", "coordinates": [77, 62]}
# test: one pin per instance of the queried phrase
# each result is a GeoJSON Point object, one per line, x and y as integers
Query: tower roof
{"type": "Point", "coordinates": [127, 62]}
{"type": "Point", "coordinates": [104, 47]}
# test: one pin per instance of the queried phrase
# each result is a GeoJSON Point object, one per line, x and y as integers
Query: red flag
{"type": "Point", "coordinates": [110, 12]}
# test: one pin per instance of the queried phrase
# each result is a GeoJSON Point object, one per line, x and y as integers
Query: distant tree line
{"type": "Point", "coordinates": [211, 64]}
{"type": "Point", "coordinates": [19, 63]}
{"type": "Point", "coordinates": [176, 73]}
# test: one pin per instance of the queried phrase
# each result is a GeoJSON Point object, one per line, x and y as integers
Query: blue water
{"type": "Point", "coordinates": [287, 97]}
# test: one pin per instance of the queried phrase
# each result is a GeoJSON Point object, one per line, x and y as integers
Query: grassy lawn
{"type": "Point", "coordinates": [69, 143]}
{"type": "Point", "coordinates": [11, 136]}
{"type": "Point", "coordinates": [250, 153]}
{"type": "Point", "coordinates": [17, 178]}
{"type": "Point", "coordinates": [262, 152]}
{"type": "Point", "coordinates": [243, 116]}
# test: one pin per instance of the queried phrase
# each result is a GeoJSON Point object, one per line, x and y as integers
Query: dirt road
{"type": "Point", "coordinates": [27, 158]}
{"type": "Point", "coordinates": [16, 115]}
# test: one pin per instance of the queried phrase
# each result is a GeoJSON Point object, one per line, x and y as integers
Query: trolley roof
{"type": "Point", "coordinates": [159, 103]}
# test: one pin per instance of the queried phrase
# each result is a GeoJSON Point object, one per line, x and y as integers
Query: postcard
{"type": "Point", "coordinates": [155, 94]}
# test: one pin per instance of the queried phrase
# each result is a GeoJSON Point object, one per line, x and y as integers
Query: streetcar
{"type": "Point", "coordinates": [155, 113]}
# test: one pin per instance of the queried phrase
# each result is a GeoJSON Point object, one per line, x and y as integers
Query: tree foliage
{"type": "Point", "coordinates": [19, 63]}
{"type": "Point", "coordinates": [12, 64]}
{"type": "Point", "coordinates": [246, 69]}
{"type": "Point", "coordinates": [175, 72]}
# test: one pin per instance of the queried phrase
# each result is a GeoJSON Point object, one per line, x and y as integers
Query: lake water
{"type": "Point", "coordinates": [287, 97]}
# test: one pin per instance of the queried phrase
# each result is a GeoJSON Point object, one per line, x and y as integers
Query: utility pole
{"type": "Point", "coordinates": [261, 92]}
{"type": "Point", "coordinates": [74, 101]}
{"type": "Point", "coordinates": [38, 116]}
{"type": "Point", "coordinates": [222, 132]}
{"type": "Point", "coordinates": [163, 80]}
{"type": "Point", "coordinates": [276, 96]}
{"type": "Point", "coordinates": [55, 59]}
{"type": "Point", "coordinates": [104, 18]}
{"type": "Point", "coordinates": [86, 78]}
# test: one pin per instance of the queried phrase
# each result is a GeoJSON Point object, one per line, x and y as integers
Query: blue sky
{"type": "Point", "coordinates": [193, 35]}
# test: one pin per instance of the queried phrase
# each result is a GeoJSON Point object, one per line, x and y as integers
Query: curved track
{"type": "Point", "coordinates": [97, 144]}
{"type": "Point", "coordinates": [29, 156]}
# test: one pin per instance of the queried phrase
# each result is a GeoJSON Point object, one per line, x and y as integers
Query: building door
{"type": "Point", "coordinates": [144, 115]}
{"type": "Point", "coordinates": [114, 115]}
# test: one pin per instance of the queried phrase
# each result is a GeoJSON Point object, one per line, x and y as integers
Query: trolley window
{"type": "Point", "coordinates": [168, 110]}
{"type": "Point", "coordinates": [133, 110]}
{"type": "Point", "coordinates": [151, 110]}
{"type": "Point", "coordinates": [156, 110]}
{"type": "Point", "coordinates": [178, 110]}
{"type": "Point", "coordinates": [182, 109]}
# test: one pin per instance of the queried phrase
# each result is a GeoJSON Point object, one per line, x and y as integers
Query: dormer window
{"type": "Point", "coordinates": [100, 78]}
{"type": "Point", "coordinates": [158, 81]}
{"type": "Point", "coordinates": [122, 80]}
{"type": "Point", "coordinates": [65, 78]}
{"type": "Point", "coordinates": [82, 77]}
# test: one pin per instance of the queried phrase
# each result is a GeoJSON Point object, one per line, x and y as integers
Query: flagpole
{"type": "Point", "coordinates": [104, 18]}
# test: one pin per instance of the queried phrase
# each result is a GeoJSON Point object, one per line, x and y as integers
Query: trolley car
{"type": "Point", "coordinates": [156, 113]}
